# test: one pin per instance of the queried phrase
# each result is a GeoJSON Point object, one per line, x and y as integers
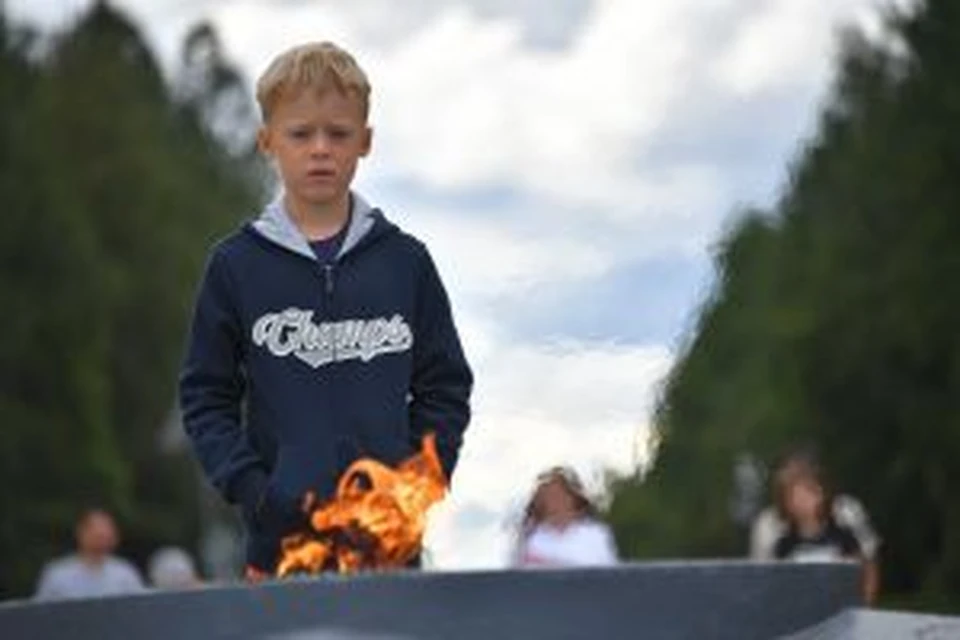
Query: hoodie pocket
{"type": "Point", "coordinates": [278, 511]}
{"type": "Point", "coordinates": [301, 469]}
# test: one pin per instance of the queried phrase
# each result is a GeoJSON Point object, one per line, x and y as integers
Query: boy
{"type": "Point", "coordinates": [321, 332]}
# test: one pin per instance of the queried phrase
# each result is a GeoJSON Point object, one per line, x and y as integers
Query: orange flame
{"type": "Point", "coordinates": [376, 519]}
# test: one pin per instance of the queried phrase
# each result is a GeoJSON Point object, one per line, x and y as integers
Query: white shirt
{"type": "Point", "coordinates": [71, 577]}
{"type": "Point", "coordinates": [816, 555]}
{"type": "Point", "coordinates": [847, 511]}
{"type": "Point", "coordinates": [580, 544]}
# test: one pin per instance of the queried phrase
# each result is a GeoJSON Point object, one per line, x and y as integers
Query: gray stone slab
{"type": "Point", "coordinates": [860, 624]}
{"type": "Point", "coordinates": [718, 600]}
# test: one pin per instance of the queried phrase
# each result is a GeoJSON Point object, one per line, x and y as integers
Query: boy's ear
{"type": "Point", "coordinates": [264, 145]}
{"type": "Point", "coordinates": [367, 142]}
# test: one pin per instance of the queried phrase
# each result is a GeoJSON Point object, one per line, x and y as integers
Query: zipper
{"type": "Point", "coordinates": [328, 278]}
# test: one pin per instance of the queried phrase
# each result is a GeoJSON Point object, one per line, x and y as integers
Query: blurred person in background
{"type": "Point", "coordinates": [173, 568]}
{"type": "Point", "coordinates": [92, 571]}
{"type": "Point", "coordinates": [807, 523]}
{"type": "Point", "coordinates": [561, 527]}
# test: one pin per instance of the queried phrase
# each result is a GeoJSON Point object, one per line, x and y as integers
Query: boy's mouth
{"type": "Point", "coordinates": [320, 174]}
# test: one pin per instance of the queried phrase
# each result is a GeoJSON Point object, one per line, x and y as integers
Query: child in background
{"type": "Point", "coordinates": [814, 529]}
{"type": "Point", "coordinates": [561, 526]}
{"type": "Point", "coordinates": [322, 333]}
{"type": "Point", "coordinates": [172, 568]}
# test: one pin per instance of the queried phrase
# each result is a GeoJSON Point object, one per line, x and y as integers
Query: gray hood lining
{"type": "Point", "coordinates": [276, 225]}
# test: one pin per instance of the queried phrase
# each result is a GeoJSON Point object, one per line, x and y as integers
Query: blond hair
{"type": "Point", "coordinates": [319, 66]}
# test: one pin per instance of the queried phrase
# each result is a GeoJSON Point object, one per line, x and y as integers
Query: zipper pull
{"type": "Point", "coordinates": [328, 277]}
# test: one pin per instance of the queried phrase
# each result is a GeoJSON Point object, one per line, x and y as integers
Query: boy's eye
{"type": "Point", "coordinates": [338, 133]}
{"type": "Point", "coordinates": [300, 134]}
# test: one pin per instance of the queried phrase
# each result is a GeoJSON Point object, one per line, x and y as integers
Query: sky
{"type": "Point", "coordinates": [571, 164]}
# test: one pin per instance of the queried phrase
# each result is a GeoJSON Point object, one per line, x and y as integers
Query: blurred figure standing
{"type": "Point", "coordinates": [807, 523]}
{"type": "Point", "coordinates": [561, 526]}
{"type": "Point", "coordinates": [92, 571]}
{"type": "Point", "coordinates": [172, 568]}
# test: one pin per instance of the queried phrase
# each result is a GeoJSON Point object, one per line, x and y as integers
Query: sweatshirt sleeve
{"type": "Point", "coordinates": [211, 391]}
{"type": "Point", "coordinates": [442, 379]}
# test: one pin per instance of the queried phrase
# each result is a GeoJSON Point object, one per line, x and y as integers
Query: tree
{"type": "Point", "coordinates": [113, 194]}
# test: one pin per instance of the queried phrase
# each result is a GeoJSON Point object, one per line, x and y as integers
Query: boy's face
{"type": "Point", "coordinates": [316, 140]}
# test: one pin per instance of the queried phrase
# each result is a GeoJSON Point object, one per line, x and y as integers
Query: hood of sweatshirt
{"type": "Point", "coordinates": [276, 225]}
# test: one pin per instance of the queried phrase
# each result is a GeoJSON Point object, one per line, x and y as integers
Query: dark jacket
{"type": "Point", "coordinates": [295, 369]}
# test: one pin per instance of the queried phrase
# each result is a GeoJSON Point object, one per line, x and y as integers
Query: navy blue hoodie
{"type": "Point", "coordinates": [295, 369]}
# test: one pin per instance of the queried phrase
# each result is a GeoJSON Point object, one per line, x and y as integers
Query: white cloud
{"type": "Point", "coordinates": [49, 14]}
{"type": "Point", "coordinates": [482, 258]}
{"type": "Point", "coordinates": [254, 31]}
{"type": "Point", "coordinates": [788, 42]}
{"type": "Point", "coordinates": [561, 125]}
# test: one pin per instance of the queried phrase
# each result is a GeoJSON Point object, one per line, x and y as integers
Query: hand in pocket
{"type": "Point", "coordinates": [278, 515]}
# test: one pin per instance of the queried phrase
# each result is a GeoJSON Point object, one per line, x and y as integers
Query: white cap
{"type": "Point", "coordinates": [172, 568]}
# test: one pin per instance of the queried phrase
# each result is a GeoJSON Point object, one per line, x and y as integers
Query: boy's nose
{"type": "Point", "coordinates": [320, 146]}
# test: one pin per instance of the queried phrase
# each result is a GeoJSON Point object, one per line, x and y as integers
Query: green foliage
{"type": "Point", "coordinates": [113, 190]}
{"type": "Point", "coordinates": [834, 322]}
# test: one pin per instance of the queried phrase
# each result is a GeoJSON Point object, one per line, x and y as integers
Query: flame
{"type": "Point", "coordinates": [375, 520]}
